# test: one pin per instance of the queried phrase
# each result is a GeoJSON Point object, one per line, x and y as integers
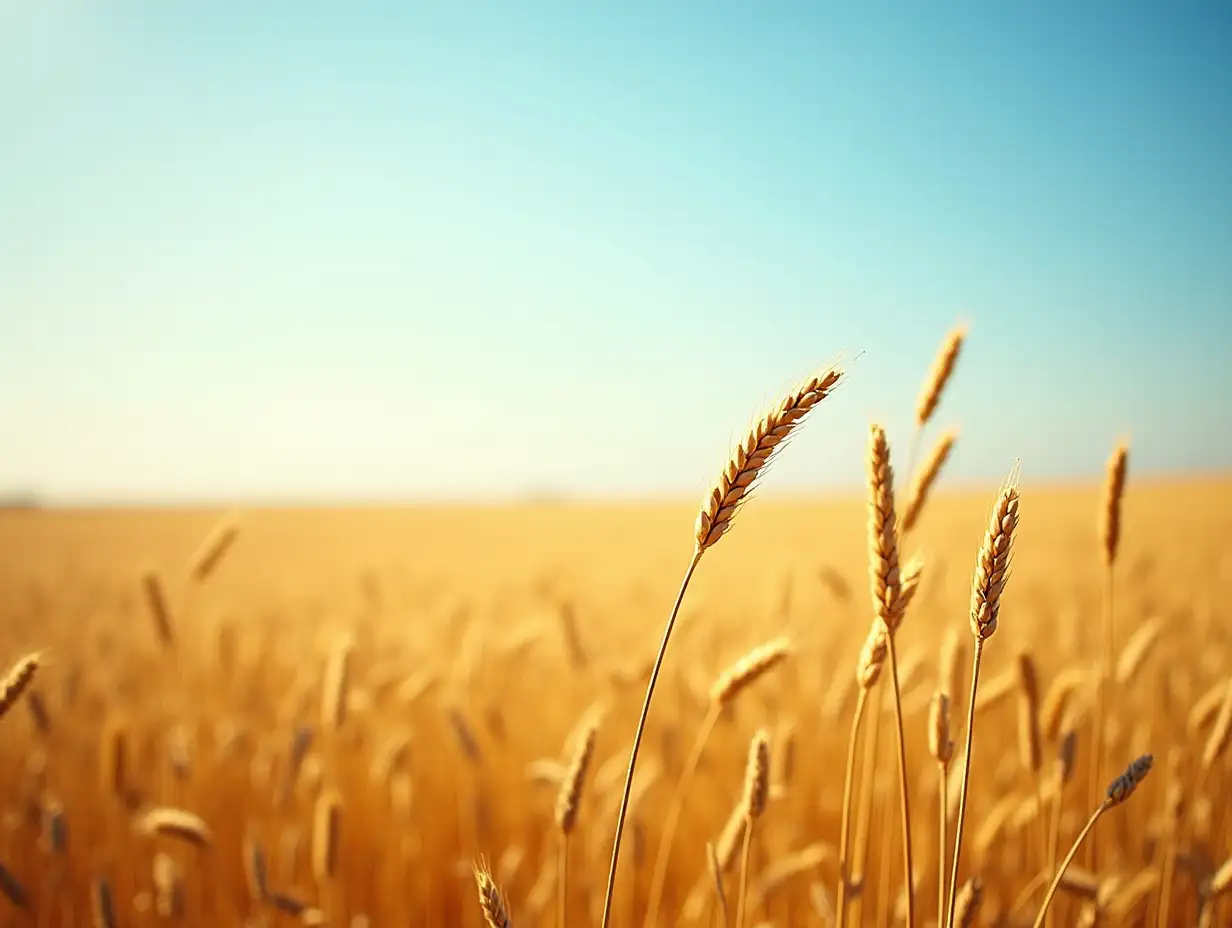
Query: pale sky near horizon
{"type": "Point", "coordinates": [311, 252]}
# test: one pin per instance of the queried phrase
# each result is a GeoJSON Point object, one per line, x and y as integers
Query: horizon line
{"type": "Point", "coordinates": [32, 501]}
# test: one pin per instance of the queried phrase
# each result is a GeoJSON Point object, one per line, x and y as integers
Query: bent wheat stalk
{"type": "Point", "coordinates": [1118, 791]}
{"type": "Point", "coordinates": [747, 463]}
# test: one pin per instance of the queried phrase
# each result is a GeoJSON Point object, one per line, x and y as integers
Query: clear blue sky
{"type": "Point", "coordinates": [291, 250]}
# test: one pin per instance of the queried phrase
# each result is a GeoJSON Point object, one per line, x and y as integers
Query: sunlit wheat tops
{"type": "Point", "coordinates": [1110, 510]}
{"type": "Point", "coordinates": [882, 530]}
{"type": "Point", "coordinates": [943, 367]}
{"type": "Point", "coordinates": [491, 899]}
{"type": "Point", "coordinates": [571, 787]}
{"type": "Point", "coordinates": [748, 669]}
{"type": "Point", "coordinates": [17, 681]}
{"type": "Point", "coordinates": [750, 458]}
{"type": "Point", "coordinates": [924, 478]}
{"type": "Point", "coordinates": [993, 565]}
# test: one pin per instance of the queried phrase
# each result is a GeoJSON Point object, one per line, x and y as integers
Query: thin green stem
{"type": "Point", "coordinates": [637, 737]}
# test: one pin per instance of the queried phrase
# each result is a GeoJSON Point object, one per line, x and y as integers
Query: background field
{"type": "Point", "coordinates": [510, 623]}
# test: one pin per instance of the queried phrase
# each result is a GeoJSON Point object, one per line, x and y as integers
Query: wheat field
{"type": "Point", "coordinates": [353, 717]}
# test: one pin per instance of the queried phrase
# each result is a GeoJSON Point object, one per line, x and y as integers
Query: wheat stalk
{"type": "Point", "coordinates": [1110, 538]}
{"type": "Point", "coordinates": [567, 801]}
{"type": "Point", "coordinates": [1119, 790]}
{"type": "Point", "coordinates": [885, 586]}
{"type": "Point", "coordinates": [923, 480]}
{"type": "Point", "coordinates": [747, 463]}
{"type": "Point", "coordinates": [991, 575]}
{"type": "Point", "coordinates": [753, 804]}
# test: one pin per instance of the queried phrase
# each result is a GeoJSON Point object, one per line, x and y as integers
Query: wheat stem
{"type": "Point", "coordinates": [962, 789]}
{"type": "Point", "coordinates": [844, 875]}
{"type": "Point", "coordinates": [1056, 879]}
{"type": "Point", "coordinates": [745, 854]}
{"type": "Point", "coordinates": [902, 783]}
{"type": "Point", "coordinates": [641, 728]}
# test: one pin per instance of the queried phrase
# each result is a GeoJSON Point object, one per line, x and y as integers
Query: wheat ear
{"type": "Point", "coordinates": [747, 463]}
{"type": "Point", "coordinates": [727, 686]}
{"type": "Point", "coordinates": [922, 481]}
{"type": "Point", "coordinates": [1119, 790]}
{"type": "Point", "coordinates": [491, 899]}
{"type": "Point", "coordinates": [992, 569]}
{"type": "Point", "coordinates": [885, 587]}
{"type": "Point", "coordinates": [756, 787]}
{"type": "Point", "coordinates": [567, 801]}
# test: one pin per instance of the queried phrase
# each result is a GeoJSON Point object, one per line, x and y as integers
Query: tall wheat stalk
{"type": "Point", "coordinates": [991, 574]}
{"type": "Point", "coordinates": [1110, 538]}
{"type": "Point", "coordinates": [747, 463]}
{"type": "Point", "coordinates": [884, 583]}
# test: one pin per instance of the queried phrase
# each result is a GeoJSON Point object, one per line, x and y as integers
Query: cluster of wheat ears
{"type": "Point", "coordinates": [312, 777]}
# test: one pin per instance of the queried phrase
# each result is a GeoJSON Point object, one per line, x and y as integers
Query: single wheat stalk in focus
{"type": "Point", "coordinates": [729, 684]}
{"type": "Point", "coordinates": [756, 786]}
{"type": "Point", "coordinates": [991, 574]}
{"type": "Point", "coordinates": [1118, 791]}
{"type": "Point", "coordinates": [747, 463]}
{"type": "Point", "coordinates": [922, 481]}
{"type": "Point", "coordinates": [491, 900]}
{"type": "Point", "coordinates": [885, 586]}
{"type": "Point", "coordinates": [567, 801]}
{"type": "Point", "coordinates": [1110, 539]}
